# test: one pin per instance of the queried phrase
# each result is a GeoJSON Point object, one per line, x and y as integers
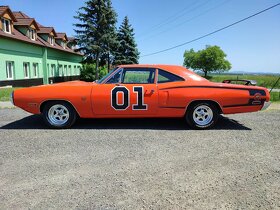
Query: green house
{"type": "Point", "coordinates": [32, 54]}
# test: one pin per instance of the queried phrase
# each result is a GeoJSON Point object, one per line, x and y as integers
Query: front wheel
{"type": "Point", "coordinates": [59, 114]}
{"type": "Point", "coordinates": [202, 115]}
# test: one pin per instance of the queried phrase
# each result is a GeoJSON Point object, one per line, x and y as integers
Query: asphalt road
{"type": "Point", "coordinates": [140, 164]}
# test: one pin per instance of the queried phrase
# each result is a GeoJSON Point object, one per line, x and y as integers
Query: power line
{"type": "Point", "coordinates": [188, 9]}
{"type": "Point", "coordinates": [186, 21]}
{"type": "Point", "coordinates": [209, 34]}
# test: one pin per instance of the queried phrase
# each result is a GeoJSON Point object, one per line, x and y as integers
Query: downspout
{"type": "Point", "coordinates": [44, 65]}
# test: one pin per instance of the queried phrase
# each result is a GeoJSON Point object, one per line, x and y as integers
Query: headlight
{"type": "Point", "coordinates": [12, 98]}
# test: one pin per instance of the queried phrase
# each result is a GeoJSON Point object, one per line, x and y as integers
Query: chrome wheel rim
{"type": "Point", "coordinates": [202, 115]}
{"type": "Point", "coordinates": [58, 115]}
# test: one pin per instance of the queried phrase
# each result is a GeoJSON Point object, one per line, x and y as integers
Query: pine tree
{"type": "Point", "coordinates": [127, 52]}
{"type": "Point", "coordinates": [96, 30]}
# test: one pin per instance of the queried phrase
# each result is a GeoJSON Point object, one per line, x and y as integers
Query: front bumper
{"type": "Point", "coordinates": [266, 105]}
{"type": "Point", "coordinates": [12, 98]}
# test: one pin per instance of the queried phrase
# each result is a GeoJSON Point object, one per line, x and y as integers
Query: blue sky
{"type": "Point", "coordinates": [253, 45]}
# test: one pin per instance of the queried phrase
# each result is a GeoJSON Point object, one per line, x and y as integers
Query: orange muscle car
{"type": "Point", "coordinates": [140, 91]}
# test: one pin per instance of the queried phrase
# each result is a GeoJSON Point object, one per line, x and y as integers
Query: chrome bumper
{"type": "Point", "coordinates": [12, 98]}
{"type": "Point", "coordinates": [266, 105]}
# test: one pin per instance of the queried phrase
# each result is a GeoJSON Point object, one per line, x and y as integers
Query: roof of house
{"type": "Point", "coordinates": [4, 9]}
{"type": "Point", "coordinates": [61, 36]}
{"type": "Point", "coordinates": [26, 22]}
{"type": "Point", "coordinates": [46, 30]}
{"type": "Point", "coordinates": [21, 19]}
{"type": "Point", "coordinates": [20, 14]}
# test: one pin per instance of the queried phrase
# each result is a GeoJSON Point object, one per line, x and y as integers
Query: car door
{"type": "Point", "coordinates": [129, 92]}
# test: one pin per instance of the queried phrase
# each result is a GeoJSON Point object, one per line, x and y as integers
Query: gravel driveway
{"type": "Point", "coordinates": [140, 164]}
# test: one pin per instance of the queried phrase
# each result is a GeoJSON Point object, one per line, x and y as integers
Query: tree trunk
{"type": "Point", "coordinates": [205, 73]}
{"type": "Point", "coordinates": [97, 66]}
{"type": "Point", "coordinates": [108, 62]}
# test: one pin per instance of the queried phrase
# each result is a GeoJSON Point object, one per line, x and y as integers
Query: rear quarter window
{"type": "Point", "coordinates": [164, 77]}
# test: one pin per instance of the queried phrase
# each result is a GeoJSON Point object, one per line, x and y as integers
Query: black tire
{"type": "Point", "coordinates": [202, 120]}
{"type": "Point", "coordinates": [59, 114]}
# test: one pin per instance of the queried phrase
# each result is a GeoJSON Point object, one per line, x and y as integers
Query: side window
{"type": "Point", "coordinates": [138, 76]}
{"type": "Point", "coordinates": [164, 76]}
{"type": "Point", "coordinates": [115, 79]}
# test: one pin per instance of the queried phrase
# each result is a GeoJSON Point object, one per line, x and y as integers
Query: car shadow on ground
{"type": "Point", "coordinates": [36, 122]}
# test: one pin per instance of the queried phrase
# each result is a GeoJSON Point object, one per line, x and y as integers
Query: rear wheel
{"type": "Point", "coordinates": [59, 114]}
{"type": "Point", "coordinates": [202, 115]}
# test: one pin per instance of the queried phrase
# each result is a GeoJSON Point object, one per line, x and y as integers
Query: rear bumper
{"type": "Point", "coordinates": [266, 105]}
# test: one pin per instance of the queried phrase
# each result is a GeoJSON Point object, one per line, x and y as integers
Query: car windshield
{"type": "Point", "coordinates": [106, 76]}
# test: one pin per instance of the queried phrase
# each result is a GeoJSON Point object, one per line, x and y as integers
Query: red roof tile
{"type": "Point", "coordinates": [26, 22]}
{"type": "Point", "coordinates": [19, 36]}
{"type": "Point", "coordinates": [4, 9]}
{"type": "Point", "coordinates": [46, 30]}
{"type": "Point", "coordinates": [20, 14]}
{"type": "Point", "coordinates": [61, 36]}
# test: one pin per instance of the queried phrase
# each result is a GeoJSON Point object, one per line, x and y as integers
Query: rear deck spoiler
{"type": "Point", "coordinates": [246, 82]}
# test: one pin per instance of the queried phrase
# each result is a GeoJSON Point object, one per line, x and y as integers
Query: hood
{"type": "Point", "coordinates": [72, 83]}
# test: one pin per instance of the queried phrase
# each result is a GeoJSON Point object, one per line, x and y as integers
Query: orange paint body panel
{"type": "Point", "coordinates": [154, 99]}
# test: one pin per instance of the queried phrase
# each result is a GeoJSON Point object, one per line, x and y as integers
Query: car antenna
{"type": "Point", "coordinates": [274, 84]}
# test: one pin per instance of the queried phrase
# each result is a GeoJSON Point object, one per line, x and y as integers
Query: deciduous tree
{"type": "Point", "coordinates": [210, 59]}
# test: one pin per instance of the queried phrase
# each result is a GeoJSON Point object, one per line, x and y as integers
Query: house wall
{"type": "Point", "coordinates": [20, 52]}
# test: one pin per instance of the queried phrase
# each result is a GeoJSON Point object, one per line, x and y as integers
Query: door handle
{"type": "Point", "coordinates": [151, 92]}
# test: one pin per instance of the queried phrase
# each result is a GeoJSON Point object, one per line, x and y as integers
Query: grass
{"type": "Point", "coordinates": [5, 93]}
{"type": "Point", "coordinates": [275, 96]}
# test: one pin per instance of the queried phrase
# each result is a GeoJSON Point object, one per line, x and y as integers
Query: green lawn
{"type": "Point", "coordinates": [5, 93]}
{"type": "Point", "coordinates": [275, 96]}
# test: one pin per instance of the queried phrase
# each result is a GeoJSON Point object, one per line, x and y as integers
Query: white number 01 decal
{"type": "Point", "coordinates": [138, 90]}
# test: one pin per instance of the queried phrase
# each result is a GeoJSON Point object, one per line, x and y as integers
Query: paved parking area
{"type": "Point", "coordinates": [140, 164]}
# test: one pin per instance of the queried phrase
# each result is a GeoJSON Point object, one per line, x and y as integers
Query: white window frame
{"type": "Point", "coordinates": [35, 70]}
{"type": "Point", "coordinates": [63, 44]}
{"type": "Point", "coordinates": [52, 70]}
{"type": "Point", "coordinates": [60, 70]}
{"type": "Point", "coordinates": [69, 70]}
{"type": "Point", "coordinates": [4, 25]}
{"type": "Point", "coordinates": [51, 38]}
{"type": "Point", "coordinates": [79, 70]}
{"type": "Point", "coordinates": [75, 70]}
{"type": "Point", "coordinates": [32, 34]}
{"type": "Point", "coordinates": [10, 72]}
{"type": "Point", "coordinates": [26, 76]}
{"type": "Point", "coordinates": [65, 70]}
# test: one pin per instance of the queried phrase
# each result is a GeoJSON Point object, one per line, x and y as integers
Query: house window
{"type": "Point", "coordinates": [32, 34]}
{"type": "Point", "coordinates": [79, 70]}
{"type": "Point", "coordinates": [75, 70]}
{"type": "Point", "coordinates": [65, 70]}
{"type": "Point", "coordinates": [69, 70]}
{"type": "Point", "coordinates": [35, 70]}
{"type": "Point", "coordinates": [52, 70]}
{"type": "Point", "coordinates": [60, 70]}
{"type": "Point", "coordinates": [26, 70]}
{"type": "Point", "coordinates": [51, 40]}
{"type": "Point", "coordinates": [63, 44]}
{"type": "Point", "coordinates": [10, 69]}
{"type": "Point", "coordinates": [6, 25]}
